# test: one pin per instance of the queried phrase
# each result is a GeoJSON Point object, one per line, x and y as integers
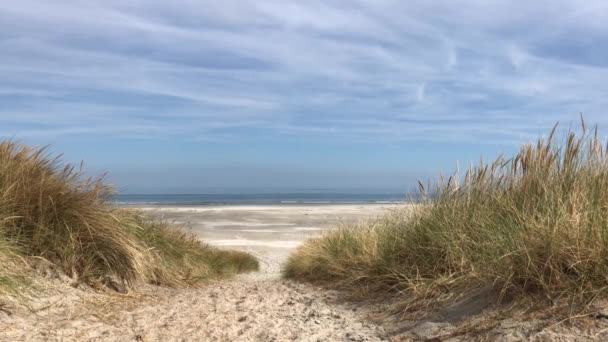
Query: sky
{"type": "Point", "coordinates": [188, 96]}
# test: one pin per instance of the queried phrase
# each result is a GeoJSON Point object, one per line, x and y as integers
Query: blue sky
{"type": "Point", "coordinates": [184, 96]}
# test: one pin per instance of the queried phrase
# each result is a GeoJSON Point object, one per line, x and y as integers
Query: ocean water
{"type": "Point", "coordinates": [261, 198]}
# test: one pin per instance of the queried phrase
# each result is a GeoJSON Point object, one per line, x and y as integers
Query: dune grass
{"type": "Point", "coordinates": [50, 211]}
{"type": "Point", "coordinates": [12, 278]}
{"type": "Point", "coordinates": [182, 259]}
{"type": "Point", "coordinates": [535, 225]}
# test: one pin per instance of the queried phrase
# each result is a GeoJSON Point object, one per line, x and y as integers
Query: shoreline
{"type": "Point", "coordinates": [260, 205]}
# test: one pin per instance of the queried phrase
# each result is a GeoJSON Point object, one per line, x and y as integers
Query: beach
{"type": "Point", "coordinates": [258, 306]}
{"type": "Point", "coordinates": [303, 171]}
{"type": "Point", "coordinates": [270, 232]}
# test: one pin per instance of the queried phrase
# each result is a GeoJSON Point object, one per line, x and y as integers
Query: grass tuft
{"type": "Point", "coordinates": [182, 259]}
{"type": "Point", "coordinates": [49, 210]}
{"type": "Point", "coordinates": [533, 225]}
{"type": "Point", "coordinates": [12, 277]}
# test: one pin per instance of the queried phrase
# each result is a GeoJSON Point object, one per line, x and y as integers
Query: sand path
{"type": "Point", "coordinates": [254, 307]}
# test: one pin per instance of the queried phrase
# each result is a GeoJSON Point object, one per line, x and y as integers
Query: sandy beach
{"type": "Point", "coordinates": [252, 307]}
{"type": "Point", "coordinates": [303, 170]}
{"type": "Point", "coordinates": [259, 306]}
{"type": "Point", "coordinates": [269, 232]}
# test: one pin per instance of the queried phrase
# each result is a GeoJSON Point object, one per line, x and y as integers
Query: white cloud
{"type": "Point", "coordinates": [297, 69]}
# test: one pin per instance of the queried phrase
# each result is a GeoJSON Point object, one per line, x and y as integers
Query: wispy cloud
{"type": "Point", "coordinates": [474, 71]}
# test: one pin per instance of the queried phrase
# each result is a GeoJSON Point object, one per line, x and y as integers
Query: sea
{"type": "Point", "coordinates": [264, 198]}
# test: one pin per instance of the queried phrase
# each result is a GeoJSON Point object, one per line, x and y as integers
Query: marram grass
{"type": "Point", "coordinates": [182, 259]}
{"type": "Point", "coordinates": [535, 224]}
{"type": "Point", "coordinates": [50, 211]}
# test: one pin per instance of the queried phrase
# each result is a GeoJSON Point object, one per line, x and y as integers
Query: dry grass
{"type": "Point", "coordinates": [50, 211]}
{"type": "Point", "coordinates": [182, 259]}
{"type": "Point", "coordinates": [533, 225]}
{"type": "Point", "coordinates": [12, 278]}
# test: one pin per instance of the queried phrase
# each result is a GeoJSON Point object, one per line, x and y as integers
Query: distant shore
{"type": "Point", "coordinates": [253, 206]}
{"type": "Point", "coordinates": [305, 198]}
